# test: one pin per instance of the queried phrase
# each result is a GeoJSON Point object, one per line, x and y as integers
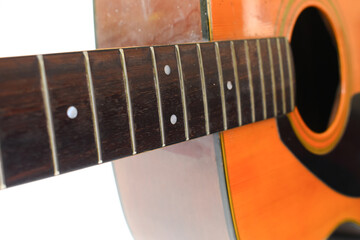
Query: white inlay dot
{"type": "Point", "coordinates": [72, 112]}
{"type": "Point", "coordinates": [173, 119]}
{"type": "Point", "coordinates": [229, 85]}
{"type": "Point", "coordinates": [167, 69]}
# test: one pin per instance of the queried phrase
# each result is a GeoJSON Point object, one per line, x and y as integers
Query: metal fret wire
{"type": "Point", "coordinates": [49, 117]}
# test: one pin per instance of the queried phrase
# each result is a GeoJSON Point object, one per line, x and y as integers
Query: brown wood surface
{"type": "Point", "coordinates": [276, 66]}
{"type": "Point", "coordinates": [256, 81]}
{"type": "Point", "coordinates": [109, 93]}
{"type": "Point", "coordinates": [243, 82]}
{"type": "Point", "coordinates": [153, 207]}
{"type": "Point", "coordinates": [212, 86]}
{"type": "Point", "coordinates": [67, 83]}
{"type": "Point", "coordinates": [103, 132]}
{"type": "Point", "coordinates": [143, 98]}
{"type": "Point", "coordinates": [170, 94]}
{"type": "Point", "coordinates": [193, 91]}
{"type": "Point", "coordinates": [24, 139]}
{"type": "Point", "coordinates": [228, 75]}
{"type": "Point", "coordinates": [267, 72]}
{"type": "Point", "coordinates": [286, 75]}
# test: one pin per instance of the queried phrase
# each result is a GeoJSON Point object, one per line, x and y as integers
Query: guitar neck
{"type": "Point", "coordinates": [62, 112]}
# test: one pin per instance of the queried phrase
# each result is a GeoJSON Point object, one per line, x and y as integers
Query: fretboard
{"type": "Point", "coordinates": [62, 112]}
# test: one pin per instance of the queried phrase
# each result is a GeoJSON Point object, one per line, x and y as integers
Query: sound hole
{"type": "Point", "coordinates": [317, 69]}
{"type": "Point", "coordinates": [346, 231]}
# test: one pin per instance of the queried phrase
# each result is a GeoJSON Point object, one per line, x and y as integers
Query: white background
{"type": "Point", "coordinates": [79, 205]}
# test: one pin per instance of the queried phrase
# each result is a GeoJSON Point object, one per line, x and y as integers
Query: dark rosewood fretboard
{"type": "Point", "coordinates": [133, 100]}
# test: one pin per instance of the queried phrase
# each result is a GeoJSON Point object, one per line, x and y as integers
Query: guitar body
{"type": "Point", "coordinates": [291, 177]}
{"type": "Point", "coordinates": [178, 192]}
{"type": "Point", "coordinates": [273, 191]}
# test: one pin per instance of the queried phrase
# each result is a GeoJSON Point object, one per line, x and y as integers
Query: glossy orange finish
{"type": "Point", "coordinates": [273, 195]}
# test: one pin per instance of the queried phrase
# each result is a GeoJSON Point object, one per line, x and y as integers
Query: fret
{"type": "Point", "coordinates": [25, 147]}
{"type": "Point", "coordinates": [256, 80]}
{"type": "Point", "coordinates": [131, 100]}
{"type": "Point", "coordinates": [244, 85]}
{"type": "Point", "coordinates": [49, 117]}
{"type": "Point", "coordinates": [111, 106]}
{"type": "Point", "coordinates": [203, 87]}
{"type": "Point", "coordinates": [251, 88]}
{"type": "Point", "coordinates": [237, 85]}
{"type": "Point", "coordinates": [229, 85]}
{"type": "Point", "coordinates": [183, 92]}
{"type": "Point", "coordinates": [221, 83]}
{"type": "Point", "coordinates": [286, 69]}
{"type": "Point", "coordinates": [267, 76]}
{"type": "Point", "coordinates": [281, 76]}
{"type": "Point", "coordinates": [172, 103]}
{"type": "Point", "coordinates": [277, 74]}
{"type": "Point", "coordinates": [193, 89]}
{"type": "Point", "coordinates": [158, 96]}
{"type": "Point", "coordinates": [2, 178]}
{"type": "Point", "coordinates": [262, 81]}
{"type": "Point", "coordinates": [212, 87]}
{"type": "Point", "coordinates": [143, 98]}
{"type": "Point", "coordinates": [93, 105]}
{"type": "Point", "coordinates": [128, 101]}
{"type": "Point", "coordinates": [291, 77]}
{"type": "Point", "coordinates": [67, 84]}
{"type": "Point", "coordinates": [273, 87]}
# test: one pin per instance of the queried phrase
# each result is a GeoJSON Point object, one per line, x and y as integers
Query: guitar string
{"type": "Point", "coordinates": [221, 82]}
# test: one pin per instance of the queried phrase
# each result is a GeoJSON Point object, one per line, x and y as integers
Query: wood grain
{"type": "Point", "coordinates": [193, 91]}
{"type": "Point", "coordinates": [26, 152]}
{"type": "Point", "coordinates": [228, 75]}
{"type": "Point", "coordinates": [102, 129]}
{"type": "Point", "coordinates": [212, 87]}
{"type": "Point", "coordinates": [111, 105]}
{"type": "Point", "coordinates": [143, 98]}
{"type": "Point", "coordinates": [243, 82]}
{"type": "Point", "coordinates": [286, 75]}
{"type": "Point", "coordinates": [276, 67]}
{"type": "Point", "coordinates": [68, 86]}
{"type": "Point", "coordinates": [170, 94]}
{"type": "Point", "coordinates": [256, 80]}
{"type": "Point", "coordinates": [267, 78]}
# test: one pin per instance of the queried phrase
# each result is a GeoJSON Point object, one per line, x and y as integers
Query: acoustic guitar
{"type": "Point", "coordinates": [75, 110]}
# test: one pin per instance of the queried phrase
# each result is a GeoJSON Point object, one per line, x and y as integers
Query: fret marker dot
{"type": "Point", "coordinates": [173, 119]}
{"type": "Point", "coordinates": [167, 69]}
{"type": "Point", "coordinates": [72, 112]}
{"type": "Point", "coordinates": [229, 85]}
